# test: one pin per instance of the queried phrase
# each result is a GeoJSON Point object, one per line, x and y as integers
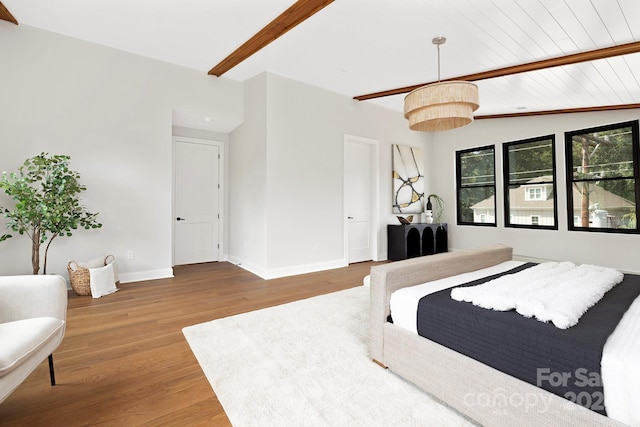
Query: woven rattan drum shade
{"type": "Point", "coordinates": [441, 106]}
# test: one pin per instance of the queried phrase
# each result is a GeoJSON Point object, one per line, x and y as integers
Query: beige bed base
{"type": "Point", "coordinates": [484, 394]}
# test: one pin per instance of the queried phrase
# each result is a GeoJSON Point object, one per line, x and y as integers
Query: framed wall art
{"type": "Point", "coordinates": [408, 179]}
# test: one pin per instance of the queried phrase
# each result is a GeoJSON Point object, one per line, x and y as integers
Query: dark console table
{"type": "Point", "coordinates": [413, 240]}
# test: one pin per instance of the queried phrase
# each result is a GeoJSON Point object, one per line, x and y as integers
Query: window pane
{"type": "Point", "coordinates": [602, 178]}
{"type": "Point", "coordinates": [605, 154]}
{"type": "Point", "coordinates": [535, 209]}
{"type": "Point", "coordinates": [530, 160]}
{"type": "Point", "coordinates": [530, 183]}
{"type": "Point", "coordinates": [477, 204]}
{"type": "Point", "coordinates": [475, 174]}
{"type": "Point", "coordinates": [477, 167]}
{"type": "Point", "coordinates": [600, 204]}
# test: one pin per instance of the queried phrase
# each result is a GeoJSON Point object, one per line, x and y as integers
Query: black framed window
{"type": "Point", "coordinates": [529, 183]}
{"type": "Point", "coordinates": [602, 178]}
{"type": "Point", "coordinates": [476, 186]}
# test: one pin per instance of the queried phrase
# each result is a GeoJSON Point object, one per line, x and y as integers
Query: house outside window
{"type": "Point", "coordinates": [476, 186]}
{"type": "Point", "coordinates": [529, 170]}
{"type": "Point", "coordinates": [603, 183]}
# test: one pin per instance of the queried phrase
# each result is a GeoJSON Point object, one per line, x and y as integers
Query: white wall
{"type": "Point", "coordinates": [112, 113]}
{"type": "Point", "coordinates": [247, 181]}
{"type": "Point", "coordinates": [301, 211]}
{"type": "Point", "coordinates": [616, 250]}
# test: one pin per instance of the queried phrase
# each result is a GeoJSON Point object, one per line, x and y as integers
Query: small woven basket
{"type": "Point", "coordinates": [80, 278]}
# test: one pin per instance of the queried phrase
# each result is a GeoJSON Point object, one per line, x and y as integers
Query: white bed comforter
{"type": "Point", "coordinates": [619, 367]}
{"type": "Point", "coordinates": [557, 292]}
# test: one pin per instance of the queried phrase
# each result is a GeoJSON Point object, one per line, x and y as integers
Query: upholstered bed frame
{"type": "Point", "coordinates": [478, 391]}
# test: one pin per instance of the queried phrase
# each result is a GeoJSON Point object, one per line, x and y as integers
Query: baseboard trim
{"type": "Point", "coordinates": [251, 268]}
{"type": "Point", "coordinates": [287, 271]}
{"type": "Point", "coordinates": [304, 269]}
{"type": "Point", "coordinates": [138, 276]}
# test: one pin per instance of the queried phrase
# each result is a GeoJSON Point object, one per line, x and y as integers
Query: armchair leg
{"type": "Point", "coordinates": [51, 373]}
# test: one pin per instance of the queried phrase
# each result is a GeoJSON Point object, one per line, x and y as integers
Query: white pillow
{"type": "Point", "coordinates": [102, 281]}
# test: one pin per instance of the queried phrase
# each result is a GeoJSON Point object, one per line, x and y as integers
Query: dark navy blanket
{"type": "Point", "coordinates": [563, 361]}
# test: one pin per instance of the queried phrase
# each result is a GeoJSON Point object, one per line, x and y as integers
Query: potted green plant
{"type": "Point", "coordinates": [47, 205]}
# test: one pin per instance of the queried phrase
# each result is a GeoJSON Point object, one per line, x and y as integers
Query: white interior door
{"type": "Point", "coordinates": [196, 202]}
{"type": "Point", "coordinates": [358, 199]}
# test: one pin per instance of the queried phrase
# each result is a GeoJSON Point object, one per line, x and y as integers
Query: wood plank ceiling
{"type": "Point", "coordinates": [276, 28]}
{"type": "Point", "coordinates": [526, 56]}
{"type": "Point", "coordinates": [576, 58]}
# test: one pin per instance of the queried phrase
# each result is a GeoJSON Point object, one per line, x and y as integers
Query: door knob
{"type": "Point", "coordinates": [180, 219]}
{"type": "Point", "coordinates": [349, 217]}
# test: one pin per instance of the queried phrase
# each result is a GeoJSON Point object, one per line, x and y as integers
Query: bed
{"type": "Point", "coordinates": [484, 394]}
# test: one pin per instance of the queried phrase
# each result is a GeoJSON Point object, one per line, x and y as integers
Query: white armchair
{"type": "Point", "coordinates": [33, 313]}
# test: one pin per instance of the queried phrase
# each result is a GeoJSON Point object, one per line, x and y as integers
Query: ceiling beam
{"type": "Point", "coordinates": [565, 111]}
{"type": "Point", "coordinates": [575, 58]}
{"type": "Point", "coordinates": [294, 15]}
{"type": "Point", "coordinates": [6, 15]}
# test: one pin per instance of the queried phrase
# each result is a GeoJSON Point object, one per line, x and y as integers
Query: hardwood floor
{"type": "Point", "coordinates": [125, 362]}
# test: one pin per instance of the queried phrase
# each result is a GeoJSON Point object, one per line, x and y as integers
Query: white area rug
{"type": "Point", "coordinates": [306, 364]}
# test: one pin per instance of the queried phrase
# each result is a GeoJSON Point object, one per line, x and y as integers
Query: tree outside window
{"type": "Point", "coordinates": [602, 178]}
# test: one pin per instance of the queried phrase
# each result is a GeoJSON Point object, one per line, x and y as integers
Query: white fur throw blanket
{"type": "Point", "coordinates": [560, 292]}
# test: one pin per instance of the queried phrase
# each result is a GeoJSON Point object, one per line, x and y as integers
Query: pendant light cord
{"type": "Point", "coordinates": [438, 41]}
{"type": "Point", "coordinates": [438, 46]}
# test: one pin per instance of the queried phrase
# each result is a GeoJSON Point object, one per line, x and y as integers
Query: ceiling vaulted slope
{"type": "Point", "coordinates": [353, 47]}
{"type": "Point", "coordinates": [576, 58]}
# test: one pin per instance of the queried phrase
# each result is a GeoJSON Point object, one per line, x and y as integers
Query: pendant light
{"type": "Point", "coordinates": [442, 105]}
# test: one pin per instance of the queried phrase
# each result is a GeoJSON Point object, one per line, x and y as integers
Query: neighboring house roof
{"type": "Point", "coordinates": [487, 203]}
{"type": "Point", "coordinates": [604, 198]}
{"type": "Point", "coordinates": [517, 198]}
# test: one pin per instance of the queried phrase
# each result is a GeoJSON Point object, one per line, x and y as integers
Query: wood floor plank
{"type": "Point", "coordinates": [124, 360]}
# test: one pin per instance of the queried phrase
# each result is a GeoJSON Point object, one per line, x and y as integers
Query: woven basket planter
{"type": "Point", "coordinates": [80, 278]}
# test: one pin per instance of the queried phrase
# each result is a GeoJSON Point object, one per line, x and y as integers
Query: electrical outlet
{"type": "Point", "coordinates": [129, 254]}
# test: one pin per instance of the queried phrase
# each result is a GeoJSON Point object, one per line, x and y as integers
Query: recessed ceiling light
{"type": "Point", "coordinates": [207, 119]}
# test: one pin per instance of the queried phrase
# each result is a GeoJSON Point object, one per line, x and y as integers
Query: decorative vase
{"type": "Point", "coordinates": [428, 213]}
{"type": "Point", "coordinates": [428, 217]}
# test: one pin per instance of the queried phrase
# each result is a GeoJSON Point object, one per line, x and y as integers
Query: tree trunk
{"type": "Point", "coordinates": [35, 251]}
{"type": "Point", "coordinates": [584, 208]}
{"type": "Point", "coordinates": [46, 252]}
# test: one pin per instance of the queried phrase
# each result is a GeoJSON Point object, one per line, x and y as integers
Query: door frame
{"type": "Point", "coordinates": [374, 200]}
{"type": "Point", "coordinates": [221, 187]}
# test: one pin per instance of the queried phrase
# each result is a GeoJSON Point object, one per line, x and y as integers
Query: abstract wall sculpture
{"type": "Point", "coordinates": [408, 179]}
